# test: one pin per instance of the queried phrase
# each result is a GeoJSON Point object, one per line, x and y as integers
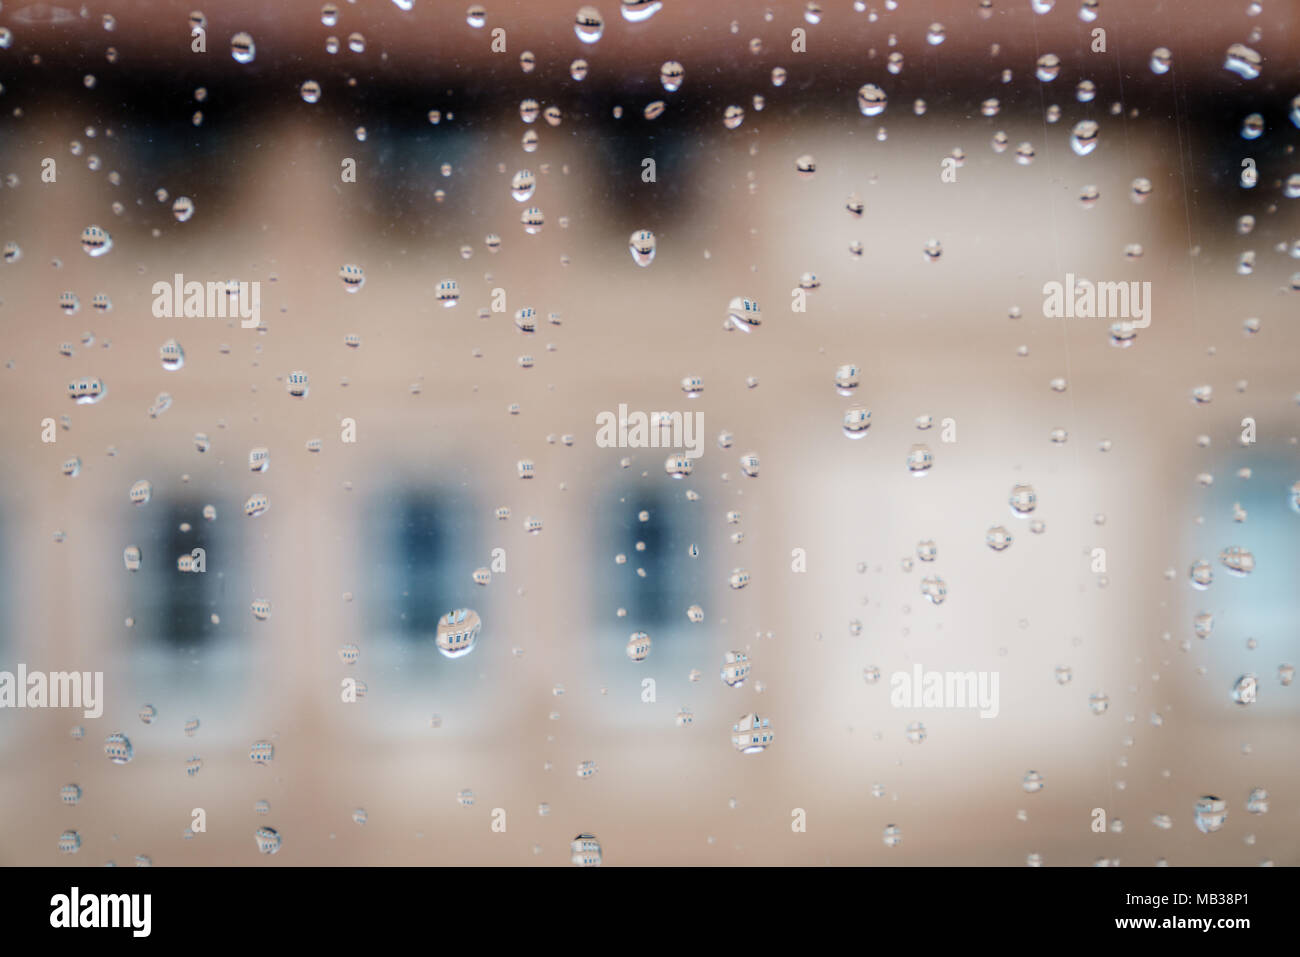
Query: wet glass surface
{"type": "Point", "coordinates": [540, 434]}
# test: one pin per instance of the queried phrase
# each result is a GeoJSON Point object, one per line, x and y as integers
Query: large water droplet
{"type": "Point", "coordinates": [637, 11]}
{"type": "Point", "coordinates": [267, 839]}
{"type": "Point", "coordinates": [1237, 560]}
{"type": "Point", "coordinates": [585, 851]}
{"type": "Point", "coordinates": [1083, 138]}
{"type": "Point", "coordinates": [751, 734]}
{"type": "Point", "coordinates": [96, 241]}
{"type": "Point", "coordinates": [1211, 813]}
{"type": "Point", "coordinates": [1245, 689]}
{"type": "Point", "coordinates": [117, 747]}
{"type": "Point", "coordinates": [1243, 61]}
{"type": "Point", "coordinates": [642, 246]}
{"type": "Point", "coordinates": [872, 99]}
{"type": "Point", "coordinates": [588, 24]}
{"type": "Point", "coordinates": [935, 589]}
{"type": "Point", "coordinates": [242, 47]}
{"type": "Point", "coordinates": [458, 632]}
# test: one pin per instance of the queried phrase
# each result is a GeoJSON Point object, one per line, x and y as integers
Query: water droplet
{"type": "Point", "coordinates": [1237, 560]}
{"type": "Point", "coordinates": [735, 668]}
{"type": "Point", "coordinates": [1256, 802]}
{"type": "Point", "coordinates": [117, 747]}
{"type": "Point", "coordinates": [522, 185]}
{"type": "Point", "coordinates": [533, 219]}
{"type": "Point", "coordinates": [642, 246]}
{"type": "Point", "coordinates": [262, 752]}
{"type": "Point", "coordinates": [1023, 500]}
{"type": "Point", "coordinates": [588, 24]}
{"type": "Point", "coordinates": [1243, 61]}
{"type": "Point", "coordinates": [267, 839]}
{"type": "Point", "coordinates": [1211, 813]}
{"type": "Point", "coordinates": [638, 646]}
{"type": "Point", "coordinates": [172, 355]}
{"type": "Point", "coordinates": [934, 589]}
{"type": "Point", "coordinates": [1049, 67]}
{"type": "Point", "coordinates": [458, 632]}
{"type": "Point", "coordinates": [242, 47]}
{"type": "Point", "coordinates": [744, 314]}
{"type": "Point", "coordinates": [96, 241]}
{"type": "Point", "coordinates": [585, 851]}
{"type": "Point", "coordinates": [353, 276]}
{"type": "Point", "coordinates": [751, 734]}
{"type": "Point", "coordinates": [998, 538]}
{"type": "Point", "coordinates": [1122, 334]}
{"type": "Point", "coordinates": [847, 379]}
{"type": "Point", "coordinates": [1083, 138]}
{"type": "Point", "coordinates": [637, 11]}
{"type": "Point", "coordinates": [140, 492]}
{"type": "Point", "coordinates": [1245, 690]}
{"type": "Point", "coordinates": [872, 100]}
{"type": "Point", "coordinates": [920, 460]}
{"type": "Point", "coordinates": [671, 76]}
{"type": "Point", "coordinates": [857, 420]}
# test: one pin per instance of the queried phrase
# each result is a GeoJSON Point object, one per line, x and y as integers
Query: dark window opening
{"type": "Point", "coordinates": [168, 604]}
{"type": "Point", "coordinates": [426, 571]}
